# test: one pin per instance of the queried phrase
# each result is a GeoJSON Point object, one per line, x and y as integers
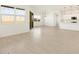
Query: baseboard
{"type": "Point", "coordinates": [13, 34]}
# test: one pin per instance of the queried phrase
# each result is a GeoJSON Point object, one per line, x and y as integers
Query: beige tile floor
{"type": "Point", "coordinates": [45, 40]}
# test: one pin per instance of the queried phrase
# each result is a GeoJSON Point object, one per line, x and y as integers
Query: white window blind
{"type": "Point", "coordinates": [20, 16]}
{"type": "Point", "coordinates": [5, 10]}
{"type": "Point", "coordinates": [20, 12]}
{"type": "Point", "coordinates": [7, 14]}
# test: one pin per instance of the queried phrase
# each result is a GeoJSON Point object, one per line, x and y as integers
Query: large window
{"type": "Point", "coordinates": [10, 15]}
{"type": "Point", "coordinates": [20, 15]}
{"type": "Point", "coordinates": [6, 19]}
{"type": "Point", "coordinates": [7, 14]}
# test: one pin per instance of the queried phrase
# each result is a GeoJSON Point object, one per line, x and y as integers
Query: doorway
{"type": "Point", "coordinates": [31, 19]}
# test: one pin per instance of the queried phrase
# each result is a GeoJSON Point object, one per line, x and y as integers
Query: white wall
{"type": "Point", "coordinates": [11, 29]}
{"type": "Point", "coordinates": [50, 20]}
{"type": "Point", "coordinates": [6, 30]}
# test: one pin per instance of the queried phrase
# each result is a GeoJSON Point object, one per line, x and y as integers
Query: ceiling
{"type": "Point", "coordinates": [43, 9]}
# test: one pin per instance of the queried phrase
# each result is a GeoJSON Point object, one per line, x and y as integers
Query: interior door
{"type": "Point", "coordinates": [31, 20]}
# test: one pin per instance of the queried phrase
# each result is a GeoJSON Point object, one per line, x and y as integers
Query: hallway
{"type": "Point", "coordinates": [42, 40]}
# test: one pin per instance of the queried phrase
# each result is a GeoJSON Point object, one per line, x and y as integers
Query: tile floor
{"type": "Point", "coordinates": [41, 40]}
